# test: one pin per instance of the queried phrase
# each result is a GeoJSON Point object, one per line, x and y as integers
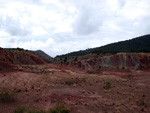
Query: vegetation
{"type": "Point", "coordinates": [6, 97]}
{"type": "Point", "coordinates": [76, 59]}
{"type": "Point", "coordinates": [65, 60]}
{"type": "Point", "coordinates": [69, 82]}
{"type": "Point", "coordinates": [123, 67]}
{"type": "Point", "coordinates": [23, 110]}
{"type": "Point", "coordinates": [36, 111]}
{"type": "Point", "coordinates": [19, 110]}
{"type": "Point", "coordinates": [107, 85]}
{"type": "Point", "coordinates": [60, 108]}
{"type": "Point", "coordinates": [142, 101]}
{"type": "Point", "coordinates": [140, 44]}
{"type": "Point", "coordinates": [19, 49]}
{"type": "Point", "coordinates": [75, 81]}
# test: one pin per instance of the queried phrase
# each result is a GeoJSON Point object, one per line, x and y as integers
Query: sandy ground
{"type": "Point", "coordinates": [43, 86]}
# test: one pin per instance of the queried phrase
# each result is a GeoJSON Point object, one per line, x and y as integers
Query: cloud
{"type": "Point", "coordinates": [62, 26]}
{"type": "Point", "coordinates": [115, 5]}
{"type": "Point", "coordinates": [86, 23]}
{"type": "Point", "coordinates": [36, 44]}
{"type": "Point", "coordinates": [13, 27]}
{"type": "Point", "coordinates": [88, 18]}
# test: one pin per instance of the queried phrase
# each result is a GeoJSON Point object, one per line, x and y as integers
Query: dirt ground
{"type": "Point", "coordinates": [43, 86]}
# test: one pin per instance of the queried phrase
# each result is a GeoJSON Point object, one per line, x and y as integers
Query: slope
{"type": "Point", "coordinates": [40, 52]}
{"type": "Point", "coordinates": [139, 44]}
{"type": "Point", "coordinates": [18, 56]}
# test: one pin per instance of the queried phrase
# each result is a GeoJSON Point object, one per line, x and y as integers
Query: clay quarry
{"type": "Point", "coordinates": [110, 84]}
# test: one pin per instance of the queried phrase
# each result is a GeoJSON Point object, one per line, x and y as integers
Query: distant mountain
{"type": "Point", "coordinates": [139, 44]}
{"type": "Point", "coordinates": [43, 53]}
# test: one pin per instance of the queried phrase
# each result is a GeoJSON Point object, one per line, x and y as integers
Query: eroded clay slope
{"type": "Point", "coordinates": [10, 58]}
{"type": "Point", "coordinates": [133, 61]}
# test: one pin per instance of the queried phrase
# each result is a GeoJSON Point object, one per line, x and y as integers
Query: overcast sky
{"type": "Point", "coordinates": [62, 26]}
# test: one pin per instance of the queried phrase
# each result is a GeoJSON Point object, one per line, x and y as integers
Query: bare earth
{"type": "Point", "coordinates": [43, 86]}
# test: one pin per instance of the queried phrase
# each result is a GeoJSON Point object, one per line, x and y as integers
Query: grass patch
{"type": "Point", "coordinates": [99, 67]}
{"type": "Point", "coordinates": [19, 110]}
{"type": "Point", "coordinates": [123, 67]}
{"type": "Point", "coordinates": [7, 97]}
{"type": "Point", "coordinates": [36, 111]}
{"type": "Point", "coordinates": [107, 85]}
{"type": "Point", "coordinates": [23, 110]}
{"type": "Point", "coordinates": [75, 81]}
{"type": "Point", "coordinates": [60, 108]}
{"type": "Point", "coordinates": [69, 82]}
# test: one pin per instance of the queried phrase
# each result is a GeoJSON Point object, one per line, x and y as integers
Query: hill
{"type": "Point", "coordinates": [139, 44]}
{"type": "Point", "coordinates": [17, 56]}
{"type": "Point", "coordinates": [40, 52]}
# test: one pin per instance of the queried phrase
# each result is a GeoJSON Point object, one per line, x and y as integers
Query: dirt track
{"type": "Point", "coordinates": [41, 87]}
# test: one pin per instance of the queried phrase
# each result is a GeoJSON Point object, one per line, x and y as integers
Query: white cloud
{"type": "Point", "coordinates": [36, 44]}
{"type": "Point", "coordinates": [61, 26]}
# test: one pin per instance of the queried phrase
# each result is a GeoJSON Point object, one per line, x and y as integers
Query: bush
{"type": "Point", "coordinates": [107, 85]}
{"type": "Point", "coordinates": [36, 111]}
{"type": "Point", "coordinates": [123, 67]}
{"type": "Point", "coordinates": [60, 108]}
{"type": "Point", "coordinates": [76, 59]}
{"type": "Point", "coordinates": [19, 110]}
{"type": "Point", "coordinates": [142, 102]}
{"type": "Point", "coordinates": [69, 82]}
{"type": "Point", "coordinates": [6, 97]}
{"type": "Point", "coordinates": [90, 71]}
{"type": "Point", "coordinates": [23, 110]}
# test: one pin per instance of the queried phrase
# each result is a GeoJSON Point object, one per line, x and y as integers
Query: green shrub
{"type": "Point", "coordinates": [76, 59]}
{"type": "Point", "coordinates": [142, 102]}
{"type": "Point", "coordinates": [107, 85]}
{"type": "Point", "coordinates": [67, 63]}
{"type": "Point", "coordinates": [99, 67]}
{"type": "Point", "coordinates": [6, 97]}
{"type": "Point", "coordinates": [36, 111]}
{"type": "Point", "coordinates": [60, 108]}
{"type": "Point", "coordinates": [69, 82]}
{"type": "Point", "coordinates": [23, 110]}
{"type": "Point", "coordinates": [19, 110]}
{"type": "Point", "coordinates": [123, 67]}
{"type": "Point", "coordinates": [90, 71]}
{"type": "Point", "coordinates": [65, 59]}
{"type": "Point", "coordinates": [83, 80]}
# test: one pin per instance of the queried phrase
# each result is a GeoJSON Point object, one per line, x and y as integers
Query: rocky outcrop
{"type": "Point", "coordinates": [132, 61]}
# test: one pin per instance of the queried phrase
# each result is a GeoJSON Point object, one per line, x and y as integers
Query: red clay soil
{"type": "Point", "coordinates": [120, 61]}
{"type": "Point", "coordinates": [10, 58]}
{"type": "Point", "coordinates": [43, 86]}
{"type": "Point", "coordinates": [89, 86]}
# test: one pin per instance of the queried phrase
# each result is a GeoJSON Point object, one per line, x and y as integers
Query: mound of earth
{"type": "Point", "coordinates": [11, 57]}
{"type": "Point", "coordinates": [129, 61]}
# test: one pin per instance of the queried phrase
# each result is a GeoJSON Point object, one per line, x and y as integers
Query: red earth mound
{"type": "Point", "coordinates": [10, 58]}
{"type": "Point", "coordinates": [130, 61]}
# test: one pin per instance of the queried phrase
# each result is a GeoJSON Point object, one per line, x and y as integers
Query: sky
{"type": "Point", "coordinates": [61, 26]}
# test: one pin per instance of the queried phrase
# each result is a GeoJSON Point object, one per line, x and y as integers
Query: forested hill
{"type": "Point", "coordinates": [139, 44]}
